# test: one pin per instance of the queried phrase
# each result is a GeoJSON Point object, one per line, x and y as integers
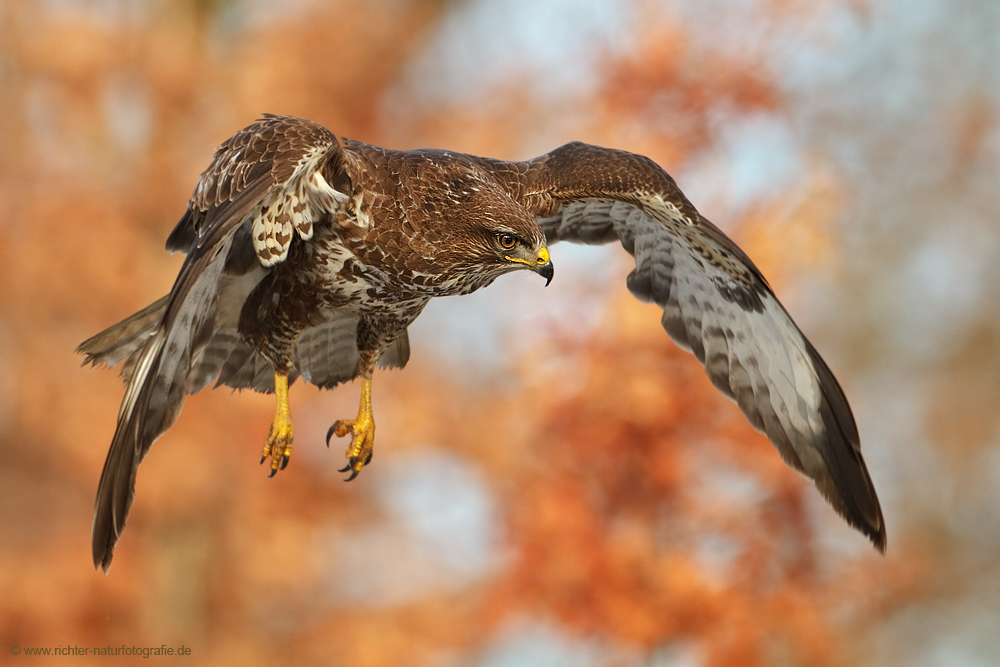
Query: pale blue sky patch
{"type": "Point", "coordinates": [536, 643]}
{"type": "Point", "coordinates": [437, 531]}
{"type": "Point", "coordinates": [553, 46]}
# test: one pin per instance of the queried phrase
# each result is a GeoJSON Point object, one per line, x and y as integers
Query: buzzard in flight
{"type": "Point", "coordinates": [310, 255]}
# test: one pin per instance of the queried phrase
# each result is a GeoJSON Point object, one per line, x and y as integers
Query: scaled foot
{"type": "Point", "coordinates": [279, 441]}
{"type": "Point", "coordinates": [359, 453]}
{"type": "Point", "coordinates": [362, 430]}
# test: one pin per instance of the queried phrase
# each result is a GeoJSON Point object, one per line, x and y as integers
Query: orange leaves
{"type": "Point", "coordinates": [652, 514]}
{"type": "Point", "coordinates": [793, 231]}
{"type": "Point", "coordinates": [668, 90]}
{"type": "Point", "coordinates": [598, 577]}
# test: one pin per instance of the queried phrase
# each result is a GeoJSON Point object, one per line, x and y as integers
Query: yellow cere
{"type": "Point", "coordinates": [543, 258]}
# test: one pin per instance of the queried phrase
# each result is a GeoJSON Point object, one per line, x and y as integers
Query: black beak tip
{"type": "Point", "coordinates": [546, 271]}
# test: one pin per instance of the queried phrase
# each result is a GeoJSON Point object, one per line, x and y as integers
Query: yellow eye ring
{"type": "Point", "coordinates": [507, 241]}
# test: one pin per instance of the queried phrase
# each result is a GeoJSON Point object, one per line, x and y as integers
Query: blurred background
{"type": "Point", "coordinates": [556, 484]}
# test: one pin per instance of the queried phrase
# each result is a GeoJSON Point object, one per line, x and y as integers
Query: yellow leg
{"type": "Point", "coordinates": [362, 431]}
{"type": "Point", "coordinates": [279, 441]}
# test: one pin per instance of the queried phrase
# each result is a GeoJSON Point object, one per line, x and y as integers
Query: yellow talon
{"type": "Point", "coordinates": [362, 431]}
{"type": "Point", "coordinates": [279, 441]}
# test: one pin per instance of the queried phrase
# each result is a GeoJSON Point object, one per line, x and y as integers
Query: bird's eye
{"type": "Point", "coordinates": [508, 241]}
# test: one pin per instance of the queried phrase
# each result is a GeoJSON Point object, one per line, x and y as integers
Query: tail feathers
{"type": "Point", "coordinates": [245, 368]}
{"type": "Point", "coordinates": [153, 400]}
{"type": "Point", "coordinates": [123, 339]}
{"type": "Point", "coordinates": [117, 485]}
{"type": "Point", "coordinates": [398, 352]}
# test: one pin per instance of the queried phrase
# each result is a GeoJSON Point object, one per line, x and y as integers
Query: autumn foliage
{"type": "Point", "coordinates": [634, 509]}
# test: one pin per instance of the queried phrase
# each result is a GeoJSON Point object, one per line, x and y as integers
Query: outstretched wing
{"type": "Point", "coordinates": [715, 303]}
{"type": "Point", "coordinates": [267, 183]}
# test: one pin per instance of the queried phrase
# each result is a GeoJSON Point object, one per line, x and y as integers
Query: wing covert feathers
{"type": "Point", "coordinates": [273, 172]}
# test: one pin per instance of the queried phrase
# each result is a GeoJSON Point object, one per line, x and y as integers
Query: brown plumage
{"type": "Point", "coordinates": [310, 256]}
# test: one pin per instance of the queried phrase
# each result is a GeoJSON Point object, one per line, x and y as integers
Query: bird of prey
{"type": "Point", "coordinates": [309, 255]}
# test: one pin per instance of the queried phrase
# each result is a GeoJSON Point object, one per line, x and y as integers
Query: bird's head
{"type": "Point", "coordinates": [487, 233]}
{"type": "Point", "coordinates": [502, 238]}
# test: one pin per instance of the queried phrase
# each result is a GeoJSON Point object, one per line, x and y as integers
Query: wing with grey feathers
{"type": "Point", "coordinates": [715, 303]}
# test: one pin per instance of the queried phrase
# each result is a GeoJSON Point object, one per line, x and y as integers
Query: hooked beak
{"type": "Point", "coordinates": [542, 265]}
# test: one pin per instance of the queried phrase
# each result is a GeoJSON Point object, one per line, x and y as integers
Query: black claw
{"type": "Point", "coordinates": [284, 462]}
{"type": "Point", "coordinates": [351, 462]}
{"type": "Point", "coordinates": [370, 455]}
{"type": "Point", "coordinates": [263, 458]}
{"type": "Point", "coordinates": [329, 434]}
{"type": "Point", "coordinates": [274, 471]}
